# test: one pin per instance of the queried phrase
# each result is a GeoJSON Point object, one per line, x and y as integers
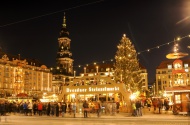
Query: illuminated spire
{"type": "Point", "coordinates": [175, 47]}
{"type": "Point", "coordinates": [64, 21]}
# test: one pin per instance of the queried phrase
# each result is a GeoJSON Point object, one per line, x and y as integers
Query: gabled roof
{"type": "Point", "coordinates": [164, 64]}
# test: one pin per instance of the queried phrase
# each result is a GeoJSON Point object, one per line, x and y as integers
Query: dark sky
{"type": "Point", "coordinates": [32, 28]}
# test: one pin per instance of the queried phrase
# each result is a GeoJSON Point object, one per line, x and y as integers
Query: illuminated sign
{"type": "Point", "coordinates": [93, 89]}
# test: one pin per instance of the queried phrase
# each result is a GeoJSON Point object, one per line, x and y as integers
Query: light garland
{"type": "Point", "coordinates": [94, 63]}
{"type": "Point", "coordinates": [157, 47]}
{"type": "Point", "coordinates": [148, 50]}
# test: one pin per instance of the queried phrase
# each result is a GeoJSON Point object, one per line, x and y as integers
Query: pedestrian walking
{"type": "Point", "coordinates": [57, 109]}
{"type": "Point", "coordinates": [35, 108]}
{"type": "Point", "coordinates": [159, 106]}
{"type": "Point", "coordinates": [40, 107]}
{"type": "Point", "coordinates": [149, 103]}
{"type": "Point", "coordinates": [117, 106]}
{"type": "Point", "coordinates": [85, 107]}
{"type": "Point", "coordinates": [25, 108]}
{"type": "Point", "coordinates": [48, 109]}
{"type": "Point", "coordinates": [74, 108]}
{"type": "Point", "coordinates": [64, 108]}
{"type": "Point", "coordinates": [134, 111]}
{"type": "Point", "coordinates": [138, 108]}
{"type": "Point", "coordinates": [30, 108]}
{"type": "Point", "coordinates": [97, 108]}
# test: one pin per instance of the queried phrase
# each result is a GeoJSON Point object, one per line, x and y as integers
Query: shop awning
{"type": "Point", "coordinates": [22, 95]}
{"type": "Point", "coordinates": [178, 89]}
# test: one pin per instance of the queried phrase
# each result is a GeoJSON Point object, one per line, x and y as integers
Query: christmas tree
{"type": "Point", "coordinates": [127, 68]}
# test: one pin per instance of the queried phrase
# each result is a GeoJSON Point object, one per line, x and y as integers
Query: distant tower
{"type": "Point", "coordinates": [64, 56]}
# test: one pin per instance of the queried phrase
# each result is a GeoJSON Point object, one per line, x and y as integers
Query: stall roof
{"type": "Point", "coordinates": [178, 89]}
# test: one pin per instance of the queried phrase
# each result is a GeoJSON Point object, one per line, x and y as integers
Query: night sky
{"type": "Point", "coordinates": [31, 29]}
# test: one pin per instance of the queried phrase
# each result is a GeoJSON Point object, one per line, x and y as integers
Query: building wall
{"type": "Point", "coordinates": [165, 78]}
{"type": "Point", "coordinates": [16, 76]}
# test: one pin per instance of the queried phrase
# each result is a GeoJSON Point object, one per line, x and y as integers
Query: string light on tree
{"type": "Point", "coordinates": [127, 68]}
{"type": "Point", "coordinates": [127, 65]}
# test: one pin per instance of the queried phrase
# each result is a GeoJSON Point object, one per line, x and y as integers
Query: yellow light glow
{"type": "Point", "coordinates": [133, 96]}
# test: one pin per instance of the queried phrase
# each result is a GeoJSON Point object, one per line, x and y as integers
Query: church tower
{"type": "Point", "coordinates": [64, 59]}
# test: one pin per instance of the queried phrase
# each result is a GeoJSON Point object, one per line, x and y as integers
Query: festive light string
{"type": "Point", "coordinates": [94, 63]}
{"type": "Point", "coordinates": [157, 47]}
{"type": "Point", "coordinates": [148, 50]}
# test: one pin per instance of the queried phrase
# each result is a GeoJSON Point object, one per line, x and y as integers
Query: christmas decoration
{"type": "Point", "coordinates": [176, 54]}
{"type": "Point", "coordinates": [127, 68]}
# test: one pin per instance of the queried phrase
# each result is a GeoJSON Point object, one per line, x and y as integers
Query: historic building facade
{"type": "Point", "coordinates": [64, 62]}
{"type": "Point", "coordinates": [23, 76]}
{"type": "Point", "coordinates": [172, 82]}
{"type": "Point", "coordinates": [166, 78]}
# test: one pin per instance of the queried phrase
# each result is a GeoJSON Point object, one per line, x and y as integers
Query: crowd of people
{"type": "Point", "coordinates": [58, 109]}
{"type": "Point", "coordinates": [157, 103]}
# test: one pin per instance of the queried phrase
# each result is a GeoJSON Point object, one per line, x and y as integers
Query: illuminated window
{"type": "Point", "coordinates": [169, 66]}
{"type": "Point", "coordinates": [185, 65]}
{"type": "Point", "coordinates": [107, 69]}
{"type": "Point", "coordinates": [186, 70]}
{"type": "Point", "coordinates": [177, 98]}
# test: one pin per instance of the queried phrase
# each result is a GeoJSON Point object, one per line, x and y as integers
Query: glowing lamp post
{"type": "Point", "coordinates": [74, 74]}
{"type": "Point", "coordinates": [84, 70]}
{"type": "Point", "coordinates": [97, 69]}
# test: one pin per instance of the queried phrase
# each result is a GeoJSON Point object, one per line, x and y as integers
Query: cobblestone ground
{"type": "Point", "coordinates": [117, 119]}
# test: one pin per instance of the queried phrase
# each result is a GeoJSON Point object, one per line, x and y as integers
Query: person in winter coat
{"type": "Point", "coordinates": [97, 108]}
{"type": "Point", "coordinates": [25, 108]}
{"type": "Point", "coordinates": [159, 105]}
{"type": "Point", "coordinates": [57, 109]}
{"type": "Point", "coordinates": [64, 108]}
{"type": "Point", "coordinates": [30, 108]}
{"type": "Point", "coordinates": [85, 106]}
{"type": "Point", "coordinates": [74, 108]}
{"type": "Point", "coordinates": [40, 107]}
{"type": "Point", "coordinates": [35, 108]}
{"type": "Point", "coordinates": [48, 109]}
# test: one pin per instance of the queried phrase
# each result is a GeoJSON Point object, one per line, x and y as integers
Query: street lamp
{"type": "Point", "coordinates": [74, 74]}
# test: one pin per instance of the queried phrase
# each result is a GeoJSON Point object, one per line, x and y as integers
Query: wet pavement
{"type": "Point", "coordinates": [148, 118]}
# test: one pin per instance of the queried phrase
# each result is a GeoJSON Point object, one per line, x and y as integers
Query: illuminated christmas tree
{"type": "Point", "coordinates": [127, 68]}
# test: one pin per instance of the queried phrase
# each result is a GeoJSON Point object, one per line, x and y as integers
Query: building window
{"type": "Point", "coordinates": [177, 99]}
{"type": "Point", "coordinates": [169, 66]}
{"type": "Point", "coordinates": [186, 70]}
{"type": "Point", "coordinates": [185, 65]}
{"type": "Point", "coordinates": [107, 69]}
{"type": "Point", "coordinates": [169, 76]}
